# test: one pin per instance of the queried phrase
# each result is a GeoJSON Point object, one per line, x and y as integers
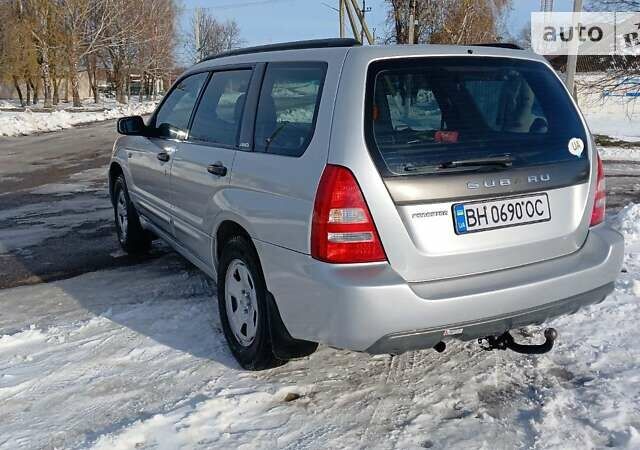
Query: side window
{"type": "Point", "coordinates": [288, 106]}
{"type": "Point", "coordinates": [219, 114]}
{"type": "Point", "coordinates": [173, 117]}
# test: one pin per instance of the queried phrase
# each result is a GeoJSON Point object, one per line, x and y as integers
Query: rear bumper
{"type": "Point", "coordinates": [369, 307]}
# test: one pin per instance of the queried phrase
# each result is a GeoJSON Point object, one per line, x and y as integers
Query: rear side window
{"type": "Point", "coordinates": [219, 114]}
{"type": "Point", "coordinates": [172, 120]}
{"type": "Point", "coordinates": [425, 113]}
{"type": "Point", "coordinates": [288, 107]}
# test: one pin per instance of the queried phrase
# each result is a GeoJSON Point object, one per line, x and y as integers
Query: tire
{"type": "Point", "coordinates": [132, 237]}
{"type": "Point", "coordinates": [242, 302]}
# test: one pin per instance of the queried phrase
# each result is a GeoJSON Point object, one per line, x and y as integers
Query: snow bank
{"type": "Point", "coordinates": [618, 126]}
{"type": "Point", "coordinates": [28, 122]}
{"type": "Point", "coordinates": [619, 154]}
{"type": "Point", "coordinates": [627, 221]}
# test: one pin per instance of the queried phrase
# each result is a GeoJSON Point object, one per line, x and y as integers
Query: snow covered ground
{"type": "Point", "coordinates": [624, 127]}
{"type": "Point", "coordinates": [135, 358]}
{"type": "Point", "coordinates": [18, 123]}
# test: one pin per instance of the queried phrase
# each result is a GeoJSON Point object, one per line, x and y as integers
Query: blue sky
{"type": "Point", "coordinates": [268, 21]}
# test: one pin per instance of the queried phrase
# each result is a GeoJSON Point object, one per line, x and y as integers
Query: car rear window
{"type": "Point", "coordinates": [423, 114]}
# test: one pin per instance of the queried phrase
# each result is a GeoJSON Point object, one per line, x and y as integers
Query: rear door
{"type": "Point", "coordinates": [485, 161]}
{"type": "Point", "coordinates": [202, 164]}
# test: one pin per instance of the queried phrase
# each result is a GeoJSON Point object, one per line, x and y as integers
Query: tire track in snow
{"type": "Point", "coordinates": [390, 363]}
{"type": "Point", "coordinates": [393, 409]}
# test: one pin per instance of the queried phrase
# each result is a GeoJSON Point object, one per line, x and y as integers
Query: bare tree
{"type": "Point", "coordinates": [43, 17]}
{"type": "Point", "coordinates": [18, 56]}
{"type": "Point", "coordinates": [447, 21]}
{"type": "Point", "coordinates": [209, 36]}
{"type": "Point", "coordinates": [429, 15]}
{"type": "Point", "coordinates": [617, 75]}
{"type": "Point", "coordinates": [472, 21]}
{"type": "Point", "coordinates": [155, 57]}
{"type": "Point", "coordinates": [63, 37]}
{"type": "Point", "coordinates": [85, 24]}
{"type": "Point", "coordinates": [126, 32]}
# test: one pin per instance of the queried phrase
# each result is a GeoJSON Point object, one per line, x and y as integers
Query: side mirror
{"type": "Point", "coordinates": [132, 126]}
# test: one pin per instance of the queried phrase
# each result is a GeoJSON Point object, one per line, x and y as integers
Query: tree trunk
{"type": "Point", "coordinates": [16, 84]}
{"type": "Point", "coordinates": [46, 76]}
{"type": "Point", "coordinates": [34, 89]}
{"type": "Point", "coordinates": [28, 92]}
{"type": "Point", "coordinates": [127, 83]}
{"type": "Point", "coordinates": [118, 79]}
{"type": "Point", "coordinates": [75, 84]}
{"type": "Point", "coordinates": [66, 89]}
{"type": "Point", "coordinates": [92, 72]}
{"type": "Point", "coordinates": [56, 91]}
{"type": "Point", "coordinates": [73, 72]}
{"type": "Point", "coordinates": [143, 82]}
{"type": "Point", "coordinates": [120, 89]}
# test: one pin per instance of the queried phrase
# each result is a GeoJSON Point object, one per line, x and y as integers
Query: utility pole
{"type": "Point", "coordinates": [364, 10]}
{"type": "Point", "coordinates": [356, 17]}
{"type": "Point", "coordinates": [412, 23]}
{"type": "Point", "coordinates": [363, 24]}
{"type": "Point", "coordinates": [341, 16]}
{"type": "Point", "coordinates": [572, 57]}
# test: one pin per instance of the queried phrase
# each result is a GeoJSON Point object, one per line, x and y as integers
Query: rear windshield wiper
{"type": "Point", "coordinates": [502, 161]}
{"type": "Point", "coordinates": [463, 165]}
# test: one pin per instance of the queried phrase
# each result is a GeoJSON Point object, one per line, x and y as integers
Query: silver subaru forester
{"type": "Point", "coordinates": [380, 199]}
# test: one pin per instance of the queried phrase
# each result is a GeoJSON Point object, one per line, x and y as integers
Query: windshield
{"type": "Point", "coordinates": [425, 114]}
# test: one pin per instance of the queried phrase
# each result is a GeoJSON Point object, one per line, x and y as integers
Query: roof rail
{"type": "Point", "coordinates": [296, 45]}
{"type": "Point", "coordinates": [499, 45]}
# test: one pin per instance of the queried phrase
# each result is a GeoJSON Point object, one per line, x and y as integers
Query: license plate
{"type": "Point", "coordinates": [507, 212]}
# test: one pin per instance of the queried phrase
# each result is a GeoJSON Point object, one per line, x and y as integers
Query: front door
{"type": "Point", "coordinates": [202, 165]}
{"type": "Point", "coordinates": [151, 158]}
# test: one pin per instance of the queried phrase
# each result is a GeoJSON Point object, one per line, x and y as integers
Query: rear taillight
{"type": "Point", "coordinates": [597, 215]}
{"type": "Point", "coordinates": [343, 230]}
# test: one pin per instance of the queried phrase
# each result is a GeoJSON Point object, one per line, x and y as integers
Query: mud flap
{"type": "Point", "coordinates": [285, 347]}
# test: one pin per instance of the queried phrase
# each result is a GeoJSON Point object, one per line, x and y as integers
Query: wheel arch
{"type": "Point", "coordinates": [115, 170]}
{"type": "Point", "coordinates": [284, 345]}
{"type": "Point", "coordinates": [226, 230]}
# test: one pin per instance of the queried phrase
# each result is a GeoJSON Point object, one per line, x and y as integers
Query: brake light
{"type": "Point", "coordinates": [343, 230]}
{"type": "Point", "coordinates": [599, 206]}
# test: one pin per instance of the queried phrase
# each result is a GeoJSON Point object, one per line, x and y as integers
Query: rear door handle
{"type": "Point", "coordinates": [163, 156]}
{"type": "Point", "coordinates": [217, 169]}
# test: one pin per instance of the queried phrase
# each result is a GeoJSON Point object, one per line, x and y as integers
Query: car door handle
{"type": "Point", "coordinates": [217, 169]}
{"type": "Point", "coordinates": [163, 156]}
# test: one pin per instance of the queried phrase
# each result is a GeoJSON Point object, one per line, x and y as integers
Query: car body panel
{"type": "Point", "coordinates": [276, 193]}
{"type": "Point", "coordinates": [353, 306]}
{"type": "Point", "coordinates": [150, 178]}
{"type": "Point", "coordinates": [197, 195]}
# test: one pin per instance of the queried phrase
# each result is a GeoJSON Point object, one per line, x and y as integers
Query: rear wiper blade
{"type": "Point", "coordinates": [502, 160]}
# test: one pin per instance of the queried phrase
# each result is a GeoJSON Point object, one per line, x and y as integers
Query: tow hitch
{"type": "Point", "coordinates": [505, 341]}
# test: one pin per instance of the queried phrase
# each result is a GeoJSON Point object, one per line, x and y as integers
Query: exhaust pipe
{"type": "Point", "coordinates": [506, 342]}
